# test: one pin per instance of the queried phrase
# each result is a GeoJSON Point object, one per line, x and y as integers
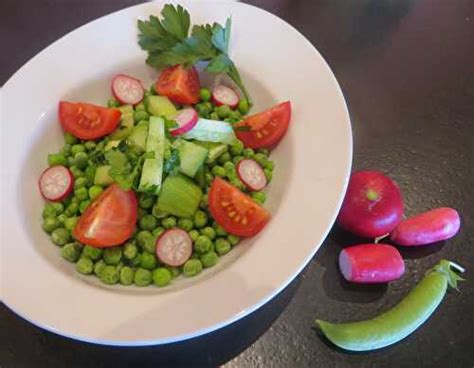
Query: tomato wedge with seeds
{"type": "Point", "coordinates": [179, 84]}
{"type": "Point", "coordinates": [87, 121]}
{"type": "Point", "coordinates": [235, 211]}
{"type": "Point", "coordinates": [109, 220]}
{"type": "Point", "coordinates": [266, 129]}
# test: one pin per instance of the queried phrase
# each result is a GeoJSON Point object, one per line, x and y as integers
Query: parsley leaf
{"type": "Point", "coordinates": [171, 164]}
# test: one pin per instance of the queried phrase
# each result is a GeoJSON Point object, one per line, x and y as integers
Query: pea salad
{"type": "Point", "coordinates": [162, 181]}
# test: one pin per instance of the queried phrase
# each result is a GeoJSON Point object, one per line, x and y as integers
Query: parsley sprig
{"type": "Point", "coordinates": [168, 43]}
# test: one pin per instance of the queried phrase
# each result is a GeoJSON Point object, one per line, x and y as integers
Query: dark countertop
{"type": "Point", "coordinates": [407, 71]}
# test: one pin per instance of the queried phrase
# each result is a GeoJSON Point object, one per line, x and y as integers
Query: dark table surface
{"type": "Point", "coordinates": [406, 68]}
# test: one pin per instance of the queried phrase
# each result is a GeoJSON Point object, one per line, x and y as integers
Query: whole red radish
{"type": "Point", "coordinates": [427, 227]}
{"type": "Point", "coordinates": [373, 205]}
{"type": "Point", "coordinates": [371, 263]}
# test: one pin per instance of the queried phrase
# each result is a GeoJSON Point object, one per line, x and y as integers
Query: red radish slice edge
{"type": "Point", "coordinates": [186, 120]}
{"type": "Point", "coordinates": [56, 183]}
{"type": "Point", "coordinates": [174, 247]}
{"type": "Point", "coordinates": [251, 174]}
{"type": "Point", "coordinates": [223, 95]}
{"type": "Point", "coordinates": [127, 90]}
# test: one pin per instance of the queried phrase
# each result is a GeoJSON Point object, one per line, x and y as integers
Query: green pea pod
{"type": "Point", "coordinates": [400, 321]}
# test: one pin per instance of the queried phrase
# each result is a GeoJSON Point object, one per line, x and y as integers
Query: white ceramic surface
{"type": "Point", "coordinates": [312, 166]}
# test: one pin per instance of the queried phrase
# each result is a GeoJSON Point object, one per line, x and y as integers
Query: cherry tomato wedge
{"type": "Point", "coordinates": [109, 220]}
{"type": "Point", "coordinates": [266, 128]}
{"type": "Point", "coordinates": [179, 84]}
{"type": "Point", "coordinates": [86, 121]}
{"type": "Point", "coordinates": [235, 211]}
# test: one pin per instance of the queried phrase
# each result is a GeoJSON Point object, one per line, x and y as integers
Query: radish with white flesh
{"type": "Point", "coordinates": [174, 247]}
{"type": "Point", "coordinates": [127, 90]}
{"type": "Point", "coordinates": [371, 263]}
{"type": "Point", "coordinates": [223, 95]}
{"type": "Point", "coordinates": [56, 183]}
{"type": "Point", "coordinates": [186, 120]}
{"type": "Point", "coordinates": [251, 174]}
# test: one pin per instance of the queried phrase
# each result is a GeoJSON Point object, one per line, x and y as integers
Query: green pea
{"type": "Point", "coordinates": [269, 165]}
{"type": "Point", "coordinates": [192, 267]}
{"type": "Point", "coordinates": [100, 146]}
{"type": "Point", "coordinates": [204, 94]}
{"type": "Point", "coordinates": [209, 232]}
{"type": "Point", "coordinates": [48, 210]}
{"type": "Point", "coordinates": [225, 157]}
{"type": "Point", "coordinates": [126, 275]}
{"type": "Point", "coordinates": [214, 116]}
{"type": "Point", "coordinates": [75, 149]}
{"type": "Point", "coordinates": [229, 168]}
{"type": "Point", "coordinates": [168, 222]}
{"type": "Point", "coordinates": [161, 277]}
{"type": "Point", "coordinates": [84, 266]}
{"type": "Point", "coordinates": [66, 151]}
{"type": "Point", "coordinates": [244, 106]}
{"type": "Point", "coordinates": [249, 152]}
{"type": "Point", "coordinates": [90, 145]}
{"type": "Point", "coordinates": [83, 205]}
{"type": "Point", "coordinates": [264, 151]}
{"type": "Point", "coordinates": [204, 202]}
{"type": "Point", "coordinates": [69, 138]}
{"type": "Point", "coordinates": [76, 172]}
{"type": "Point", "coordinates": [268, 174]}
{"type": "Point", "coordinates": [112, 255]}
{"type": "Point", "coordinates": [237, 148]}
{"type": "Point", "coordinates": [200, 219]}
{"type": "Point", "coordinates": [61, 218]}
{"type": "Point", "coordinates": [146, 201]}
{"type": "Point", "coordinates": [261, 159]}
{"type": "Point", "coordinates": [50, 224]}
{"type": "Point", "coordinates": [135, 262]}
{"type": "Point", "coordinates": [193, 234]}
{"type": "Point", "coordinates": [209, 259]}
{"type": "Point", "coordinates": [233, 239]}
{"type": "Point", "coordinates": [89, 173]}
{"type": "Point", "coordinates": [71, 252]}
{"type": "Point", "coordinates": [218, 171]}
{"type": "Point", "coordinates": [130, 250]}
{"type": "Point", "coordinates": [222, 246]}
{"type": "Point", "coordinates": [237, 159]}
{"type": "Point", "coordinates": [140, 107]}
{"type": "Point", "coordinates": [174, 271]}
{"type": "Point", "coordinates": [143, 237]}
{"type": "Point", "coordinates": [72, 209]}
{"type": "Point", "coordinates": [55, 159]}
{"type": "Point", "coordinates": [203, 109]}
{"type": "Point", "coordinates": [203, 244]}
{"type": "Point", "coordinates": [235, 115]}
{"type": "Point", "coordinates": [60, 236]}
{"type": "Point", "coordinates": [157, 232]}
{"type": "Point", "coordinates": [70, 223]}
{"type": "Point", "coordinates": [80, 182]}
{"type": "Point", "coordinates": [141, 115]}
{"type": "Point", "coordinates": [150, 246]}
{"type": "Point", "coordinates": [109, 275]}
{"type": "Point", "coordinates": [209, 179]}
{"type": "Point", "coordinates": [148, 222]}
{"type": "Point", "coordinates": [119, 267]}
{"type": "Point", "coordinates": [142, 277]}
{"type": "Point", "coordinates": [219, 230]}
{"type": "Point", "coordinates": [112, 102]}
{"type": "Point", "coordinates": [148, 261]}
{"type": "Point", "coordinates": [99, 266]}
{"type": "Point", "coordinates": [235, 181]}
{"type": "Point", "coordinates": [92, 252]}
{"type": "Point", "coordinates": [259, 197]}
{"type": "Point", "coordinates": [80, 160]}
{"type": "Point", "coordinates": [95, 191]}
{"type": "Point", "coordinates": [223, 111]}
{"type": "Point", "coordinates": [185, 224]}
{"type": "Point", "coordinates": [58, 207]}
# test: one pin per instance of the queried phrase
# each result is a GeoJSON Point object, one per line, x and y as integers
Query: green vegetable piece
{"type": "Point", "coordinates": [223, 111]}
{"type": "Point", "coordinates": [146, 201]}
{"type": "Point", "coordinates": [109, 275]}
{"type": "Point", "coordinates": [92, 252]}
{"type": "Point", "coordinates": [112, 102]}
{"type": "Point", "coordinates": [55, 159]}
{"type": "Point", "coordinates": [191, 157]}
{"type": "Point", "coordinates": [76, 172]}
{"type": "Point", "coordinates": [80, 160]}
{"type": "Point", "coordinates": [90, 145]}
{"type": "Point", "coordinates": [112, 255]}
{"type": "Point", "coordinates": [49, 210]}
{"type": "Point", "coordinates": [62, 218]}
{"type": "Point", "coordinates": [204, 202]}
{"type": "Point", "coordinates": [98, 267]}
{"type": "Point", "coordinates": [130, 250]}
{"type": "Point", "coordinates": [214, 116]}
{"type": "Point", "coordinates": [102, 176]}
{"type": "Point", "coordinates": [179, 196]}
{"type": "Point", "coordinates": [157, 232]}
{"type": "Point", "coordinates": [160, 106]}
{"type": "Point", "coordinates": [224, 158]}
{"type": "Point", "coordinates": [95, 191]}
{"type": "Point", "coordinates": [249, 153]}
{"type": "Point", "coordinates": [161, 277]}
{"type": "Point", "coordinates": [75, 149]}
{"type": "Point", "coordinates": [219, 230]}
{"type": "Point", "coordinates": [203, 244]}
{"type": "Point", "coordinates": [89, 173]}
{"type": "Point", "coordinates": [237, 159]}
{"type": "Point", "coordinates": [209, 232]}
{"type": "Point", "coordinates": [141, 115]}
{"type": "Point", "coordinates": [209, 259]}
{"type": "Point", "coordinates": [169, 222]}
{"type": "Point", "coordinates": [50, 224]}
{"type": "Point", "coordinates": [175, 271]}
{"type": "Point", "coordinates": [137, 137]}
{"type": "Point", "coordinates": [126, 275]}
{"type": "Point", "coordinates": [83, 205]}
{"type": "Point", "coordinates": [222, 246]}
{"type": "Point", "coordinates": [148, 261]}
{"type": "Point", "coordinates": [81, 193]}
{"type": "Point", "coordinates": [259, 197]}
{"type": "Point", "coordinates": [244, 106]}
{"type": "Point", "coordinates": [192, 267]}
{"type": "Point", "coordinates": [60, 236]}
{"type": "Point", "coordinates": [200, 219]}
{"type": "Point", "coordinates": [193, 234]}
{"type": "Point", "coordinates": [72, 209]}
{"type": "Point", "coordinates": [212, 131]}
{"type": "Point", "coordinates": [233, 239]}
{"type": "Point", "coordinates": [142, 277]}
{"type": "Point", "coordinates": [80, 182]}
{"type": "Point", "coordinates": [85, 266]}
{"type": "Point", "coordinates": [140, 106]}
{"type": "Point", "coordinates": [69, 138]}
{"type": "Point", "coordinates": [268, 174]}
{"type": "Point", "coordinates": [185, 224]}
{"type": "Point", "coordinates": [70, 223]}
{"type": "Point", "coordinates": [216, 151]}
{"type": "Point", "coordinates": [400, 321]}
{"type": "Point", "coordinates": [143, 237]}
{"type": "Point", "coordinates": [71, 252]}
{"type": "Point", "coordinates": [148, 222]}
{"type": "Point", "coordinates": [205, 94]}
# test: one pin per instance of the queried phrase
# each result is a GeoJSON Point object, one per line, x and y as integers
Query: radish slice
{"type": "Point", "coordinates": [251, 174]}
{"type": "Point", "coordinates": [127, 90]}
{"type": "Point", "coordinates": [56, 183]}
{"type": "Point", "coordinates": [186, 120]}
{"type": "Point", "coordinates": [223, 95]}
{"type": "Point", "coordinates": [371, 263]}
{"type": "Point", "coordinates": [174, 247]}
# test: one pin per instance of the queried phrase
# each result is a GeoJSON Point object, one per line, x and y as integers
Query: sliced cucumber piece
{"type": "Point", "coordinates": [112, 144]}
{"type": "Point", "coordinates": [160, 106]}
{"type": "Point", "coordinates": [137, 138]}
{"type": "Point", "coordinates": [102, 176]}
{"type": "Point", "coordinates": [126, 124]}
{"type": "Point", "coordinates": [191, 156]}
{"type": "Point", "coordinates": [212, 131]}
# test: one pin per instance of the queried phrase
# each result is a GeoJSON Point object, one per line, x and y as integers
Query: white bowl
{"type": "Point", "coordinates": [312, 167]}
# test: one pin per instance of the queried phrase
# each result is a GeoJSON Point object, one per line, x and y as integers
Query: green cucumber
{"type": "Point", "coordinates": [191, 156]}
{"type": "Point", "coordinates": [112, 144]}
{"type": "Point", "coordinates": [102, 176]}
{"type": "Point", "coordinates": [179, 196]}
{"type": "Point", "coordinates": [215, 152]}
{"type": "Point", "coordinates": [160, 106]}
{"type": "Point", "coordinates": [126, 109]}
{"type": "Point", "coordinates": [212, 131]}
{"type": "Point", "coordinates": [137, 138]}
{"type": "Point", "coordinates": [126, 123]}
{"type": "Point", "coordinates": [152, 171]}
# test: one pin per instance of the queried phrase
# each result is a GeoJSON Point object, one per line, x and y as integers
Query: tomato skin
{"type": "Point", "coordinates": [109, 220]}
{"type": "Point", "coordinates": [267, 128]}
{"type": "Point", "coordinates": [87, 121]}
{"type": "Point", "coordinates": [235, 211]}
{"type": "Point", "coordinates": [179, 84]}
